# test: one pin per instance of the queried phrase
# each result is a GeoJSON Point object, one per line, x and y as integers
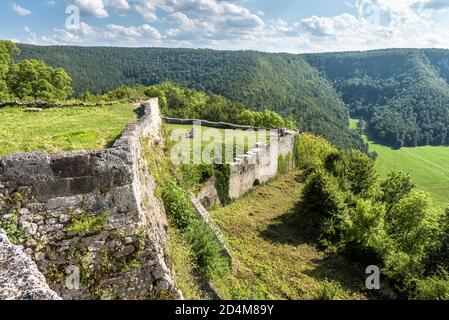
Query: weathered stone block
{"type": "Point", "coordinates": [70, 164]}
{"type": "Point", "coordinates": [63, 202]}
{"type": "Point", "coordinates": [27, 168]}
{"type": "Point", "coordinates": [50, 189]}
{"type": "Point", "coordinates": [82, 185]}
{"type": "Point", "coordinates": [124, 199]}
{"type": "Point", "coordinates": [19, 276]}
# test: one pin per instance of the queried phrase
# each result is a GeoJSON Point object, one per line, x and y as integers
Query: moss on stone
{"type": "Point", "coordinates": [15, 233]}
{"type": "Point", "coordinates": [88, 224]}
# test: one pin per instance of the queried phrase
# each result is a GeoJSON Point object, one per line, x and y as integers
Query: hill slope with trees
{"type": "Point", "coordinates": [280, 82]}
{"type": "Point", "coordinates": [402, 94]}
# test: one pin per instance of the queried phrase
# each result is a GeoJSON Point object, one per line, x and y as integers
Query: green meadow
{"type": "Point", "coordinates": [429, 167]}
{"type": "Point", "coordinates": [62, 129]}
{"type": "Point", "coordinates": [213, 138]}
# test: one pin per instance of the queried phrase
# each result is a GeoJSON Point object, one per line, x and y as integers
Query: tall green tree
{"type": "Point", "coordinates": [7, 49]}
{"type": "Point", "coordinates": [33, 79]}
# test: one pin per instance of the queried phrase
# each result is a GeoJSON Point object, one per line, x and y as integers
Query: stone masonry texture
{"type": "Point", "coordinates": [91, 220]}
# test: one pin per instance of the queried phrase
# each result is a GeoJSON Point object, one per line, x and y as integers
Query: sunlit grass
{"type": "Point", "coordinates": [428, 165]}
{"type": "Point", "coordinates": [62, 129]}
{"type": "Point", "coordinates": [272, 255]}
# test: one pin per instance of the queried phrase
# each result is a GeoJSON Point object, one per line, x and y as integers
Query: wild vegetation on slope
{"type": "Point", "coordinates": [274, 256]}
{"type": "Point", "coordinates": [402, 94]}
{"type": "Point", "coordinates": [386, 223]}
{"type": "Point", "coordinates": [194, 241]}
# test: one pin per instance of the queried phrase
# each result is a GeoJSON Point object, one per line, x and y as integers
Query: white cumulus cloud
{"type": "Point", "coordinates": [20, 10]}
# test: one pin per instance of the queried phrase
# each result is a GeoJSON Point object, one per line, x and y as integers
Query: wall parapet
{"type": "Point", "coordinates": [217, 125]}
{"type": "Point", "coordinates": [261, 163]}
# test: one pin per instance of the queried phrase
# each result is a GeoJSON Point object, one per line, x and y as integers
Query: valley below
{"type": "Point", "coordinates": [428, 166]}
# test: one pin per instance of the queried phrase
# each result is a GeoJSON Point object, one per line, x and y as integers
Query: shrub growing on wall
{"type": "Point", "coordinates": [206, 248]}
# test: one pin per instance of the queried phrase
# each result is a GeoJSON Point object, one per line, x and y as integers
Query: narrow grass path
{"type": "Point", "coordinates": [273, 256]}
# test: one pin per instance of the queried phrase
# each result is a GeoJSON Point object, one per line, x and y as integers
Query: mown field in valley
{"type": "Point", "coordinates": [428, 165]}
{"type": "Point", "coordinates": [63, 129]}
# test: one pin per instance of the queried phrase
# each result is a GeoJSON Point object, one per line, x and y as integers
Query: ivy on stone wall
{"type": "Point", "coordinates": [222, 177]}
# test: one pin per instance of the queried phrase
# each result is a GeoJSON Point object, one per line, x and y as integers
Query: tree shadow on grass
{"type": "Point", "coordinates": [291, 228]}
{"type": "Point", "coordinates": [335, 268]}
{"type": "Point", "coordinates": [294, 228]}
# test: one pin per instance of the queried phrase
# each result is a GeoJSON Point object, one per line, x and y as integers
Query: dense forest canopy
{"type": "Point", "coordinates": [280, 82]}
{"type": "Point", "coordinates": [403, 94]}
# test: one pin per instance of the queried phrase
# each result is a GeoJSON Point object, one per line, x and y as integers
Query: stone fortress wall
{"type": "Point", "coordinates": [255, 167]}
{"type": "Point", "coordinates": [95, 213]}
{"type": "Point", "coordinates": [261, 163]}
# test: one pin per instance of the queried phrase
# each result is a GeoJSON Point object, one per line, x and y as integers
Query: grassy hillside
{"type": "Point", "coordinates": [281, 82]}
{"type": "Point", "coordinates": [273, 257]}
{"type": "Point", "coordinates": [403, 94]}
{"type": "Point", "coordinates": [62, 129]}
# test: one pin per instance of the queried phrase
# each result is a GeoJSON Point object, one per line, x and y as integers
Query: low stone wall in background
{"type": "Point", "coordinates": [92, 213]}
{"type": "Point", "coordinates": [211, 124]}
{"type": "Point", "coordinates": [248, 170]}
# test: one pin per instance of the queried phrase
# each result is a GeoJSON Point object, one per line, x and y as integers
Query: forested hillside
{"type": "Point", "coordinates": [281, 82]}
{"type": "Point", "coordinates": [403, 94]}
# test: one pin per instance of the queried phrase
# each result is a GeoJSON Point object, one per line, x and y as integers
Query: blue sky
{"type": "Point", "coordinates": [265, 25]}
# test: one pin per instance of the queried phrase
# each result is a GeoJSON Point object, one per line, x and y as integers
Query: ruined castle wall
{"type": "Point", "coordinates": [260, 164]}
{"type": "Point", "coordinates": [95, 213]}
